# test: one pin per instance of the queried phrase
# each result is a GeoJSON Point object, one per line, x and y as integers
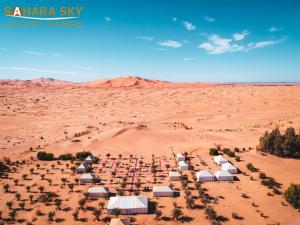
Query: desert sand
{"type": "Point", "coordinates": [143, 117]}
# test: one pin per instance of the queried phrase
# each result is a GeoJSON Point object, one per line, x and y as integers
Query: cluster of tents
{"type": "Point", "coordinates": [224, 174]}
{"type": "Point", "coordinates": [139, 204]}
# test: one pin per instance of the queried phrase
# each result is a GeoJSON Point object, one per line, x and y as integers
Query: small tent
{"type": "Point", "coordinates": [118, 221]}
{"type": "Point", "coordinates": [182, 165]}
{"type": "Point", "coordinates": [229, 168]}
{"type": "Point", "coordinates": [89, 160]}
{"type": "Point", "coordinates": [99, 191]}
{"type": "Point", "coordinates": [204, 176]}
{"type": "Point", "coordinates": [173, 176]}
{"type": "Point", "coordinates": [219, 160]}
{"type": "Point", "coordinates": [223, 175]}
{"type": "Point", "coordinates": [83, 168]}
{"type": "Point", "coordinates": [87, 178]}
{"type": "Point", "coordinates": [162, 191]}
{"type": "Point", "coordinates": [180, 157]}
{"type": "Point", "coordinates": [128, 204]}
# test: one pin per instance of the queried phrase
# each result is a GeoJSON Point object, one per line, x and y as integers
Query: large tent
{"type": "Point", "coordinates": [162, 191]}
{"type": "Point", "coordinates": [128, 204]}
{"type": "Point", "coordinates": [87, 178]}
{"type": "Point", "coordinates": [174, 175]}
{"type": "Point", "coordinates": [204, 175]}
{"type": "Point", "coordinates": [182, 165]}
{"type": "Point", "coordinates": [223, 175]}
{"type": "Point", "coordinates": [180, 157]}
{"type": "Point", "coordinates": [98, 191]}
{"type": "Point", "coordinates": [229, 168]}
{"type": "Point", "coordinates": [219, 160]}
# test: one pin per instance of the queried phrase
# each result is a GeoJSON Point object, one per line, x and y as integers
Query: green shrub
{"type": "Point", "coordinates": [231, 154]}
{"type": "Point", "coordinates": [262, 175]}
{"type": "Point", "coordinates": [251, 167]}
{"type": "Point", "coordinates": [65, 157]}
{"type": "Point", "coordinates": [270, 182]}
{"type": "Point", "coordinates": [292, 195]}
{"type": "Point", "coordinates": [226, 151]}
{"type": "Point", "coordinates": [45, 156]}
{"type": "Point", "coordinates": [82, 155]}
{"type": "Point", "coordinates": [213, 151]}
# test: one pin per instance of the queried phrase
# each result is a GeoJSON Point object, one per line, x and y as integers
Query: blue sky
{"type": "Point", "coordinates": [175, 40]}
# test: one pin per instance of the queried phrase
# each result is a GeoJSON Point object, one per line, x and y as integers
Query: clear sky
{"type": "Point", "coordinates": [175, 40]}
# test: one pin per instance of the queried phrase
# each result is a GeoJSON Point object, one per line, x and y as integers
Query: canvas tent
{"type": "Point", "coordinates": [223, 175]}
{"type": "Point", "coordinates": [162, 191]}
{"type": "Point", "coordinates": [98, 191]}
{"type": "Point", "coordinates": [219, 160]}
{"type": "Point", "coordinates": [118, 221]}
{"type": "Point", "coordinates": [182, 165]}
{"type": "Point", "coordinates": [89, 159]}
{"type": "Point", "coordinates": [180, 157]}
{"type": "Point", "coordinates": [83, 168]}
{"type": "Point", "coordinates": [204, 176]}
{"type": "Point", "coordinates": [174, 176]}
{"type": "Point", "coordinates": [128, 204]}
{"type": "Point", "coordinates": [229, 168]}
{"type": "Point", "coordinates": [87, 178]}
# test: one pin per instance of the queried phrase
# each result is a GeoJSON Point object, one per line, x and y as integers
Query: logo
{"type": "Point", "coordinates": [68, 15]}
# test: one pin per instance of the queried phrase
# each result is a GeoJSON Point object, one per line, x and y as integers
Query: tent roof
{"type": "Point", "coordinates": [118, 221]}
{"type": "Point", "coordinates": [182, 163]}
{"type": "Point", "coordinates": [98, 189]}
{"type": "Point", "coordinates": [227, 166]}
{"type": "Point", "coordinates": [223, 173]}
{"type": "Point", "coordinates": [128, 202]}
{"type": "Point", "coordinates": [220, 158]}
{"type": "Point", "coordinates": [162, 189]}
{"type": "Point", "coordinates": [204, 173]}
{"type": "Point", "coordinates": [89, 158]}
{"type": "Point", "coordinates": [87, 176]}
{"type": "Point", "coordinates": [180, 155]}
{"type": "Point", "coordinates": [83, 166]}
{"type": "Point", "coordinates": [174, 174]}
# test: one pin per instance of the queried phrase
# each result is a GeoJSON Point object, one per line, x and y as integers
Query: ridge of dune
{"type": "Point", "coordinates": [130, 81]}
{"type": "Point", "coordinates": [119, 82]}
{"type": "Point", "coordinates": [39, 82]}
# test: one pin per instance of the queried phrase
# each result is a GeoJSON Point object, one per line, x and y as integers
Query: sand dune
{"type": "Point", "coordinates": [144, 117]}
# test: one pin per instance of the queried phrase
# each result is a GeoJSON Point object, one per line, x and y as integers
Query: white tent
{"type": "Point", "coordinates": [174, 175]}
{"type": "Point", "coordinates": [128, 204]}
{"type": "Point", "coordinates": [82, 168]}
{"type": "Point", "coordinates": [180, 157]}
{"type": "Point", "coordinates": [89, 159]}
{"type": "Point", "coordinates": [182, 165]}
{"type": "Point", "coordinates": [98, 191]}
{"type": "Point", "coordinates": [219, 160]}
{"type": "Point", "coordinates": [118, 221]}
{"type": "Point", "coordinates": [223, 175]}
{"type": "Point", "coordinates": [229, 168]}
{"type": "Point", "coordinates": [162, 191]}
{"type": "Point", "coordinates": [87, 178]}
{"type": "Point", "coordinates": [204, 175]}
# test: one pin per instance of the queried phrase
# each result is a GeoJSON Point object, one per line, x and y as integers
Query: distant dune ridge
{"type": "Point", "coordinates": [130, 81]}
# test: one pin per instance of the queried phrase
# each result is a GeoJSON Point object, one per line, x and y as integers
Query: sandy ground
{"type": "Point", "coordinates": [146, 121]}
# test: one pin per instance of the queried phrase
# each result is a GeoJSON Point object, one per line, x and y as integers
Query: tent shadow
{"type": "Point", "coordinates": [176, 194]}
